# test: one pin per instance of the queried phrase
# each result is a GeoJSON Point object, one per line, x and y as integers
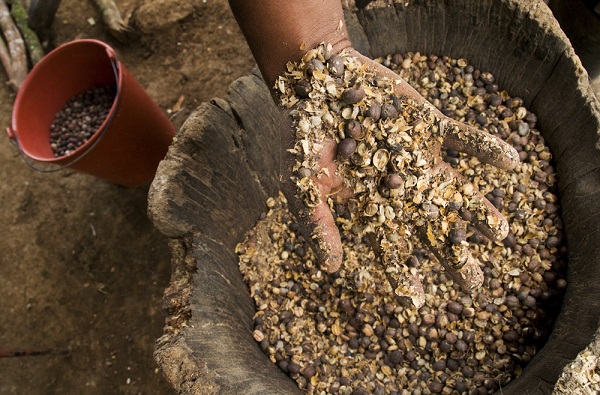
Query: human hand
{"type": "Point", "coordinates": [368, 142]}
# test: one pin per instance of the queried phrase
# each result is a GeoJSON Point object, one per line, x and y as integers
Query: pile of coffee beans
{"type": "Point", "coordinates": [80, 118]}
{"type": "Point", "coordinates": [346, 333]}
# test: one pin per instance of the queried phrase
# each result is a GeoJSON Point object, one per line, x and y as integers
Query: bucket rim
{"type": "Point", "coordinates": [80, 151]}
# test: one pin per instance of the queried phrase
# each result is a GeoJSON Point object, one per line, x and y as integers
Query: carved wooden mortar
{"type": "Point", "coordinates": [212, 186]}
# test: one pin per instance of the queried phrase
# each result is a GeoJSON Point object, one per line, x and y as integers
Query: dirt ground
{"type": "Point", "coordinates": [82, 269]}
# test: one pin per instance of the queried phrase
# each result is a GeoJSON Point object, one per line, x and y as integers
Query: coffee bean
{"type": "Point", "coordinates": [353, 95]}
{"type": "Point", "coordinates": [395, 357]}
{"type": "Point", "coordinates": [374, 111]}
{"type": "Point", "coordinates": [354, 129]}
{"type": "Point", "coordinates": [393, 181]}
{"type": "Point", "coordinates": [335, 64]}
{"type": "Point", "coordinates": [303, 88]}
{"type": "Point", "coordinates": [455, 307]}
{"type": "Point", "coordinates": [314, 64]}
{"type": "Point", "coordinates": [80, 118]}
{"type": "Point", "coordinates": [436, 387]}
{"type": "Point", "coordinates": [439, 365]}
{"type": "Point", "coordinates": [388, 111]}
{"type": "Point", "coordinates": [457, 236]}
{"type": "Point", "coordinates": [346, 148]}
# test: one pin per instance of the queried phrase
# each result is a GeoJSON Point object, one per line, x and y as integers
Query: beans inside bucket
{"type": "Point", "coordinates": [80, 118]}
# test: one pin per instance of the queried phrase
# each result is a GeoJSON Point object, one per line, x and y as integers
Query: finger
{"type": "Point", "coordinates": [393, 258]}
{"type": "Point", "coordinates": [452, 252]}
{"type": "Point", "coordinates": [459, 136]}
{"type": "Point", "coordinates": [326, 238]}
{"type": "Point", "coordinates": [474, 207]}
{"type": "Point", "coordinates": [311, 206]}
{"type": "Point", "coordinates": [486, 218]}
{"type": "Point", "coordinates": [472, 141]}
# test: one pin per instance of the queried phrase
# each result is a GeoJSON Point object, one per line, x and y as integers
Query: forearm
{"type": "Point", "coordinates": [279, 31]}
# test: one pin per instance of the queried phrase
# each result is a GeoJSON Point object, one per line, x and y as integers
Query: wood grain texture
{"type": "Point", "coordinates": [212, 186]}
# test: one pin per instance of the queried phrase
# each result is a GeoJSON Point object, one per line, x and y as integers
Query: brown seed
{"type": "Point", "coordinates": [395, 357]}
{"type": "Point", "coordinates": [335, 64]}
{"type": "Point", "coordinates": [451, 337]}
{"type": "Point", "coordinates": [392, 181]}
{"type": "Point", "coordinates": [309, 371]}
{"type": "Point", "coordinates": [294, 368]}
{"type": "Point", "coordinates": [346, 148]}
{"type": "Point", "coordinates": [388, 111]}
{"type": "Point", "coordinates": [461, 345]}
{"type": "Point", "coordinates": [457, 235]}
{"type": "Point", "coordinates": [314, 64]}
{"type": "Point", "coordinates": [466, 215]}
{"type": "Point", "coordinates": [468, 372]}
{"type": "Point", "coordinates": [510, 240]}
{"type": "Point", "coordinates": [436, 387]}
{"type": "Point", "coordinates": [495, 100]}
{"type": "Point", "coordinates": [552, 242]}
{"type": "Point", "coordinates": [511, 336]}
{"type": "Point", "coordinates": [354, 129]}
{"type": "Point", "coordinates": [445, 346]}
{"type": "Point", "coordinates": [353, 95]}
{"type": "Point", "coordinates": [469, 336]}
{"type": "Point", "coordinates": [455, 307]}
{"type": "Point", "coordinates": [428, 319]}
{"type": "Point", "coordinates": [374, 111]}
{"type": "Point", "coordinates": [439, 365]}
{"type": "Point", "coordinates": [303, 88]}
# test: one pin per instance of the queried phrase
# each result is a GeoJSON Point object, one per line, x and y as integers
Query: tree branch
{"type": "Point", "coordinates": [112, 19]}
{"type": "Point", "coordinates": [34, 46]}
{"type": "Point", "coordinates": [17, 60]}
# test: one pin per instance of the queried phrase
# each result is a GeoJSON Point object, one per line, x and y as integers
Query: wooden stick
{"type": "Point", "coordinates": [112, 19]}
{"type": "Point", "coordinates": [34, 46]}
{"type": "Point", "coordinates": [17, 71]}
{"type": "Point", "coordinates": [5, 58]}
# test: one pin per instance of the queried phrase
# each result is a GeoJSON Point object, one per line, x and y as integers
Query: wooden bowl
{"type": "Point", "coordinates": [212, 186]}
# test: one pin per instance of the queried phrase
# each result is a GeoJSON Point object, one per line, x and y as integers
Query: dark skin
{"type": "Point", "coordinates": [279, 32]}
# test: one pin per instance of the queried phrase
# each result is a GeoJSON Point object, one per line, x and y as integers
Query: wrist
{"type": "Point", "coordinates": [282, 31]}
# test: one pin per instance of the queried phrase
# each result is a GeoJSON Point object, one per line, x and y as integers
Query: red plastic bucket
{"type": "Point", "coordinates": [133, 138]}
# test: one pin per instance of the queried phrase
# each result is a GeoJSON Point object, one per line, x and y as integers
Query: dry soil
{"type": "Point", "coordinates": [82, 269]}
